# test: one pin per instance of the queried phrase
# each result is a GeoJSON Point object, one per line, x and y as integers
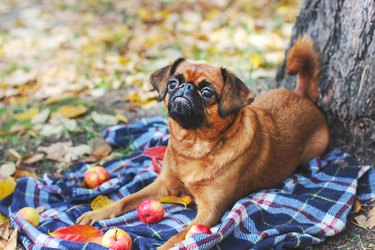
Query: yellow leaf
{"type": "Point", "coordinates": [123, 60]}
{"type": "Point", "coordinates": [27, 115]}
{"type": "Point", "coordinates": [18, 99]}
{"type": "Point", "coordinates": [22, 173]}
{"type": "Point", "coordinates": [69, 111]}
{"type": "Point", "coordinates": [357, 206]}
{"type": "Point", "coordinates": [101, 201]}
{"type": "Point", "coordinates": [183, 200]}
{"type": "Point", "coordinates": [7, 187]}
{"type": "Point", "coordinates": [256, 61]}
{"type": "Point", "coordinates": [122, 118]}
{"type": "Point", "coordinates": [14, 154]}
{"type": "Point", "coordinates": [51, 100]}
{"type": "Point", "coordinates": [3, 218]}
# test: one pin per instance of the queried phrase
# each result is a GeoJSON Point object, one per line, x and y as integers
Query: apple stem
{"type": "Point", "coordinates": [116, 234]}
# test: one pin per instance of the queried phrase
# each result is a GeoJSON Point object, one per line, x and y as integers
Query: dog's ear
{"type": "Point", "coordinates": [160, 77]}
{"type": "Point", "coordinates": [235, 94]}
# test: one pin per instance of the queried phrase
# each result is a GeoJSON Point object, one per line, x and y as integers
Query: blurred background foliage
{"type": "Point", "coordinates": [70, 68]}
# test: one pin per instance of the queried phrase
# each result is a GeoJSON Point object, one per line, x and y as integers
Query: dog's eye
{"type": "Point", "coordinates": [207, 93]}
{"type": "Point", "coordinates": [172, 84]}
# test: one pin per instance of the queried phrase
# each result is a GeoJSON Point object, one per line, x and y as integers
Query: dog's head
{"type": "Point", "coordinates": [197, 95]}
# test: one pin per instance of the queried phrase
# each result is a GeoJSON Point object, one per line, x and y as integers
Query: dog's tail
{"type": "Point", "coordinates": [303, 61]}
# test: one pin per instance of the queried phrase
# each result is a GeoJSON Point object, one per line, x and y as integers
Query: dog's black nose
{"type": "Point", "coordinates": [187, 86]}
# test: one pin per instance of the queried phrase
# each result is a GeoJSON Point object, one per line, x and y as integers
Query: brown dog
{"type": "Point", "coordinates": [221, 148]}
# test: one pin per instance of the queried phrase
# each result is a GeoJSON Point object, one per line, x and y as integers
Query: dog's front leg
{"type": "Point", "coordinates": [164, 184]}
{"type": "Point", "coordinates": [209, 214]}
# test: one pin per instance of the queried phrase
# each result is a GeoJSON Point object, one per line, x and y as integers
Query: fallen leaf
{"type": "Point", "coordinates": [367, 221]}
{"type": "Point", "coordinates": [48, 130]}
{"type": "Point", "coordinates": [7, 187]}
{"type": "Point", "coordinates": [100, 148]}
{"type": "Point", "coordinates": [256, 61]}
{"type": "Point", "coordinates": [14, 154]}
{"type": "Point", "coordinates": [17, 128]}
{"type": "Point", "coordinates": [78, 233]}
{"type": "Point", "coordinates": [4, 230]}
{"type": "Point", "coordinates": [33, 159]}
{"type": "Point", "coordinates": [183, 200]}
{"type": "Point", "coordinates": [20, 77]}
{"type": "Point", "coordinates": [7, 169]}
{"type": "Point", "coordinates": [70, 111]}
{"type": "Point", "coordinates": [371, 218]}
{"type": "Point", "coordinates": [24, 173]}
{"type": "Point", "coordinates": [103, 119]}
{"type": "Point", "coordinates": [42, 117]}
{"type": "Point", "coordinates": [51, 100]}
{"type": "Point", "coordinates": [101, 201]}
{"type": "Point", "coordinates": [27, 115]}
{"type": "Point", "coordinates": [357, 206]}
{"type": "Point", "coordinates": [12, 242]}
{"type": "Point", "coordinates": [57, 151]}
{"type": "Point", "coordinates": [3, 218]}
{"type": "Point", "coordinates": [122, 118]}
{"type": "Point", "coordinates": [77, 152]}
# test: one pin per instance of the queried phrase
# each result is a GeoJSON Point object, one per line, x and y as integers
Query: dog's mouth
{"type": "Point", "coordinates": [182, 102]}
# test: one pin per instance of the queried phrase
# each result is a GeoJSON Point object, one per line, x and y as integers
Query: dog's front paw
{"type": "Point", "coordinates": [91, 217]}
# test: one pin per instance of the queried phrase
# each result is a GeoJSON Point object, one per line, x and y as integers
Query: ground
{"type": "Point", "coordinates": [69, 69]}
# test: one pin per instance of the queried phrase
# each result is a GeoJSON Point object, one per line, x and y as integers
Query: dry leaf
{"type": "Point", "coordinates": [183, 200]}
{"type": "Point", "coordinates": [42, 117]}
{"type": "Point", "coordinates": [122, 118]}
{"type": "Point", "coordinates": [357, 206]}
{"type": "Point", "coordinates": [103, 119]}
{"type": "Point", "coordinates": [101, 201]}
{"type": "Point", "coordinates": [78, 233]}
{"type": "Point", "coordinates": [51, 100]}
{"type": "Point", "coordinates": [371, 218]}
{"type": "Point", "coordinates": [12, 242]}
{"type": "Point", "coordinates": [4, 230]}
{"type": "Point", "coordinates": [24, 173]}
{"type": "Point", "coordinates": [77, 152]}
{"type": "Point", "coordinates": [7, 169]}
{"type": "Point", "coordinates": [33, 159]}
{"type": "Point", "coordinates": [100, 148]}
{"type": "Point", "coordinates": [27, 115]}
{"type": "Point", "coordinates": [7, 187]}
{"type": "Point", "coordinates": [14, 154]}
{"type": "Point", "coordinates": [49, 130]}
{"type": "Point", "coordinates": [69, 111]}
{"type": "Point", "coordinates": [367, 221]}
{"type": "Point", "coordinates": [56, 151]}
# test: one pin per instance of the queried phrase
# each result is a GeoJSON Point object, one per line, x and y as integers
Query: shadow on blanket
{"type": "Point", "coordinates": [302, 211]}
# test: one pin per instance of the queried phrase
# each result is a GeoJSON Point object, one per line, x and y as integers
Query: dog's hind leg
{"type": "Point", "coordinates": [317, 143]}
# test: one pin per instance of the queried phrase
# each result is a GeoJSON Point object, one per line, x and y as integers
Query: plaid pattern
{"type": "Point", "coordinates": [302, 211]}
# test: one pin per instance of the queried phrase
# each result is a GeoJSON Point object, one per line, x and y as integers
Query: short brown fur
{"type": "Point", "coordinates": [254, 148]}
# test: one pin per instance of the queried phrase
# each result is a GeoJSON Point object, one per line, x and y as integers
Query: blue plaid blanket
{"type": "Point", "coordinates": [301, 211]}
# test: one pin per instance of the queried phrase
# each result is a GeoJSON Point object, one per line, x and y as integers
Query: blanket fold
{"type": "Point", "coordinates": [299, 212]}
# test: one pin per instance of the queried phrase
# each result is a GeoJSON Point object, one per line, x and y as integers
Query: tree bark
{"type": "Point", "coordinates": [343, 33]}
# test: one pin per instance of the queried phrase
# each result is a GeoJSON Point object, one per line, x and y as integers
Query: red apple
{"type": "Point", "coordinates": [95, 176]}
{"type": "Point", "coordinates": [30, 215]}
{"type": "Point", "coordinates": [117, 239]}
{"type": "Point", "coordinates": [197, 229]}
{"type": "Point", "coordinates": [150, 211]}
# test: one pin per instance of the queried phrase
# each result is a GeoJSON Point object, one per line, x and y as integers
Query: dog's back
{"type": "Point", "coordinates": [301, 130]}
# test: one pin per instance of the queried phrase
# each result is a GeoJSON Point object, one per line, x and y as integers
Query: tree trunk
{"type": "Point", "coordinates": [343, 33]}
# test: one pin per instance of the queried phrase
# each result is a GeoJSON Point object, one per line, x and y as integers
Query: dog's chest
{"type": "Point", "coordinates": [191, 171]}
